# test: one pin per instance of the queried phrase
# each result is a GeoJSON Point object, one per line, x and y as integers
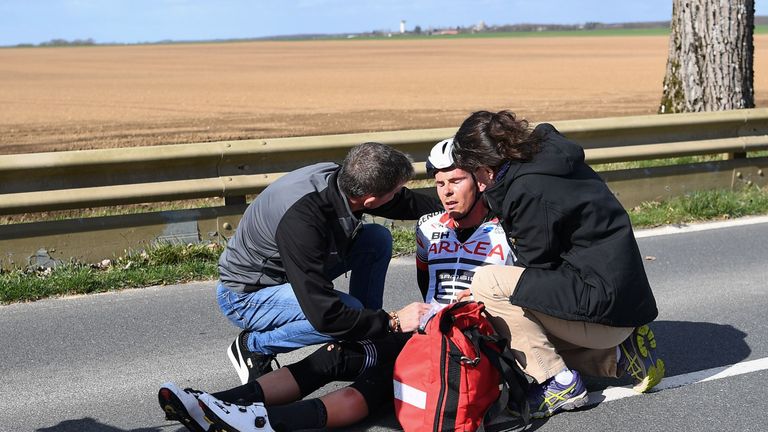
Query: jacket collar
{"type": "Point", "coordinates": [494, 195]}
{"type": "Point", "coordinates": [349, 221]}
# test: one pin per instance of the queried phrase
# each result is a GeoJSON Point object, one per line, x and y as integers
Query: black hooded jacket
{"type": "Point", "coordinates": [574, 238]}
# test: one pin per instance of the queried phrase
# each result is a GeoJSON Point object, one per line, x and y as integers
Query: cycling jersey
{"type": "Point", "coordinates": [451, 263]}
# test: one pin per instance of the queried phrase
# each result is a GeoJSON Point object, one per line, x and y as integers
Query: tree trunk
{"type": "Point", "coordinates": [710, 64]}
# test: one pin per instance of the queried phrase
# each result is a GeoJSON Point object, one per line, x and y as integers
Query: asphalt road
{"type": "Point", "coordinates": [94, 363]}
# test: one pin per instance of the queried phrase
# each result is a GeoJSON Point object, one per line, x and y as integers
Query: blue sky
{"type": "Point", "coordinates": [128, 21]}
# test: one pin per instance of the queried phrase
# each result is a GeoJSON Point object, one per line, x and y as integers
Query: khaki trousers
{"type": "Point", "coordinates": [542, 344]}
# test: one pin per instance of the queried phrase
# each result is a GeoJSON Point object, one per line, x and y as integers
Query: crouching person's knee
{"type": "Point", "coordinates": [485, 284]}
{"type": "Point", "coordinates": [495, 283]}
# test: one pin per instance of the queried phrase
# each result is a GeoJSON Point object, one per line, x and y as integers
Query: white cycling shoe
{"type": "Point", "coordinates": [229, 417]}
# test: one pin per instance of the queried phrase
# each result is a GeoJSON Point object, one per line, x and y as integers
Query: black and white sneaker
{"type": "Point", "coordinates": [248, 364]}
{"type": "Point", "coordinates": [182, 406]}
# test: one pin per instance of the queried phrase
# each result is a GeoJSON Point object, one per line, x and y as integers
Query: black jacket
{"type": "Point", "coordinates": [295, 229]}
{"type": "Point", "coordinates": [574, 238]}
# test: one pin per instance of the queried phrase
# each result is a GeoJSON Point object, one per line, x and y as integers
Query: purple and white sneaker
{"type": "Point", "coordinates": [552, 396]}
{"type": "Point", "coordinates": [640, 360]}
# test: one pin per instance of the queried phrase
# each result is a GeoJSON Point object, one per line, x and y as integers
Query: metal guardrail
{"type": "Point", "coordinates": [232, 169]}
{"type": "Point", "coordinates": [109, 177]}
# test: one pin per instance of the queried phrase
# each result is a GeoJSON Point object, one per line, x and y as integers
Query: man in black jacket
{"type": "Point", "coordinates": [303, 231]}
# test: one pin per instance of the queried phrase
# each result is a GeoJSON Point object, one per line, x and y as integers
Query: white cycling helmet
{"type": "Point", "coordinates": [440, 157]}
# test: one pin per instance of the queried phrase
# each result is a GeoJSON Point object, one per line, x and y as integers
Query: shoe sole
{"type": "Point", "coordinates": [237, 361]}
{"type": "Point", "coordinates": [573, 403]}
{"type": "Point", "coordinates": [175, 410]}
{"type": "Point", "coordinates": [654, 373]}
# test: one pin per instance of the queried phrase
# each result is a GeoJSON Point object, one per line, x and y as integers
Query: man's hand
{"type": "Point", "coordinates": [410, 315]}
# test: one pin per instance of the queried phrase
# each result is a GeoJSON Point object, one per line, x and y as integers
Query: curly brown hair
{"type": "Point", "coordinates": [490, 139]}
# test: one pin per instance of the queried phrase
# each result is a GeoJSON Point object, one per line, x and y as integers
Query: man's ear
{"type": "Point", "coordinates": [368, 201]}
{"type": "Point", "coordinates": [484, 178]}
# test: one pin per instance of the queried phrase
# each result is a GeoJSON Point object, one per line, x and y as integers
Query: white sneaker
{"type": "Point", "coordinates": [182, 406]}
{"type": "Point", "coordinates": [228, 417]}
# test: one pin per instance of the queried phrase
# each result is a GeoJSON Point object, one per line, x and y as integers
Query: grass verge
{"type": "Point", "coordinates": [166, 264]}
{"type": "Point", "coordinates": [160, 265]}
{"type": "Point", "coordinates": [701, 206]}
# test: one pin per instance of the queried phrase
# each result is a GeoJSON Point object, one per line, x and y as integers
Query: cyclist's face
{"type": "Point", "coordinates": [456, 189]}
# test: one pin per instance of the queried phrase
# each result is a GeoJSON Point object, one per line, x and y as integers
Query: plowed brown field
{"type": "Point", "coordinates": [54, 99]}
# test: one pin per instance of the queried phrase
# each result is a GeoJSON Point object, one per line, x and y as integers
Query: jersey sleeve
{"type": "Point", "coordinates": [422, 245]}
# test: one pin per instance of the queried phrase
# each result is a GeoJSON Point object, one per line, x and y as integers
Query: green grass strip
{"type": "Point", "coordinates": [701, 206]}
{"type": "Point", "coordinates": [160, 265]}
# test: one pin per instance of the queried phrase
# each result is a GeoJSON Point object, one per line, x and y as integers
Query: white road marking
{"type": "Point", "coordinates": [704, 226]}
{"type": "Point", "coordinates": [615, 393]}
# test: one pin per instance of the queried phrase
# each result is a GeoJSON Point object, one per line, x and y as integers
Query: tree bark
{"type": "Point", "coordinates": [710, 64]}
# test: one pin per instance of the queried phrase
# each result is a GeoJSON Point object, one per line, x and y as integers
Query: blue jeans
{"type": "Point", "coordinates": [273, 316]}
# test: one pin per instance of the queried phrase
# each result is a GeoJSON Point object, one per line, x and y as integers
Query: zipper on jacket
{"type": "Point", "coordinates": [443, 384]}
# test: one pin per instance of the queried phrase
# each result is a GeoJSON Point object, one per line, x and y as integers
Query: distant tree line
{"type": "Point", "coordinates": [506, 28]}
{"type": "Point", "coordinates": [62, 42]}
{"type": "Point", "coordinates": [533, 27]}
{"type": "Point", "coordinates": [560, 27]}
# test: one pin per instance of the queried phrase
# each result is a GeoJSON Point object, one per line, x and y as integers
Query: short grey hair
{"type": "Point", "coordinates": [374, 169]}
